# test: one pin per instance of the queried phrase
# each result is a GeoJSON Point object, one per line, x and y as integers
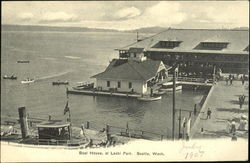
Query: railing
{"type": "Point", "coordinates": [198, 80]}
{"type": "Point", "coordinates": [125, 131]}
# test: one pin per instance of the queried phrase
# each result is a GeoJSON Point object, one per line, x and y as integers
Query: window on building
{"type": "Point", "coordinates": [134, 55]}
{"type": "Point", "coordinates": [211, 45]}
{"type": "Point", "coordinates": [167, 44]}
{"type": "Point", "coordinates": [119, 84]}
{"type": "Point", "coordinates": [129, 85]}
{"type": "Point", "coordinates": [108, 83]}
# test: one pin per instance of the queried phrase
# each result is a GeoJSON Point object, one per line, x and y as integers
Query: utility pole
{"type": "Point", "coordinates": [137, 36]}
{"type": "Point", "coordinates": [173, 118]}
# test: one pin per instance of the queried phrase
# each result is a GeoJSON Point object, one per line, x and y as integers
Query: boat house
{"type": "Point", "coordinates": [135, 73]}
{"type": "Point", "coordinates": [197, 52]}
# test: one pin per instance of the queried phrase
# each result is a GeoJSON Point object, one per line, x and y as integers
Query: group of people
{"type": "Point", "coordinates": [231, 77]}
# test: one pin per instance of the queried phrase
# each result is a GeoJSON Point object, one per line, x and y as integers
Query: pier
{"type": "Point", "coordinates": [223, 100]}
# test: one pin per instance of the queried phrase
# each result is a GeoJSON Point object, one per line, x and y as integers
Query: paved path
{"type": "Point", "coordinates": [224, 104]}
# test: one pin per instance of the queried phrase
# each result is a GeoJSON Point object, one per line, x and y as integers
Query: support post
{"type": "Point", "coordinates": [23, 121]}
{"type": "Point", "coordinates": [87, 125]}
{"type": "Point", "coordinates": [173, 118]}
{"type": "Point", "coordinates": [107, 132]}
{"type": "Point", "coordinates": [180, 135]}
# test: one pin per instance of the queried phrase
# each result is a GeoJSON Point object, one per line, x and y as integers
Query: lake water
{"type": "Point", "coordinates": [75, 57]}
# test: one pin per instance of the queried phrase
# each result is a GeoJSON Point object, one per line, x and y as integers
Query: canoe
{"type": "Point", "coordinates": [10, 77]}
{"type": "Point", "coordinates": [60, 83]}
{"type": "Point", "coordinates": [27, 81]}
{"type": "Point", "coordinates": [149, 98]}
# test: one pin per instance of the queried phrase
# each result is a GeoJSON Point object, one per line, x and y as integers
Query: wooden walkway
{"type": "Point", "coordinates": [224, 104]}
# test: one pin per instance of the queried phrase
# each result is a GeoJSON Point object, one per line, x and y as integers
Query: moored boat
{"type": "Point", "coordinates": [27, 81]}
{"type": "Point", "coordinates": [60, 83]}
{"type": "Point", "coordinates": [84, 86]}
{"type": "Point", "coordinates": [168, 87]}
{"type": "Point", "coordinates": [160, 92]}
{"type": "Point", "coordinates": [12, 77]}
{"type": "Point", "coordinates": [149, 98]}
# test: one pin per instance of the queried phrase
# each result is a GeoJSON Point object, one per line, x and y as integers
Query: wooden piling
{"type": "Point", "coordinates": [23, 121]}
{"type": "Point", "coordinates": [87, 125]}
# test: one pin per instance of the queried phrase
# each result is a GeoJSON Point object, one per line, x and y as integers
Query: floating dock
{"type": "Point", "coordinates": [102, 93]}
{"type": "Point", "coordinates": [124, 94]}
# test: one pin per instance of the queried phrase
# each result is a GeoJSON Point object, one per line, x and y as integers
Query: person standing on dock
{"type": "Point", "coordinates": [241, 100]}
{"type": "Point", "coordinates": [227, 81]}
{"type": "Point", "coordinates": [233, 127]}
{"type": "Point", "coordinates": [242, 80]}
{"type": "Point", "coordinates": [195, 109]}
{"type": "Point", "coordinates": [231, 81]}
{"type": "Point", "coordinates": [209, 112]}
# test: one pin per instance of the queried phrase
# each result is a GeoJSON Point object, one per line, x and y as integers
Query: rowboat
{"type": "Point", "coordinates": [23, 61]}
{"type": "Point", "coordinates": [168, 87]}
{"type": "Point", "coordinates": [12, 77]}
{"type": "Point", "coordinates": [60, 83]}
{"type": "Point", "coordinates": [177, 88]}
{"type": "Point", "coordinates": [84, 86]}
{"type": "Point", "coordinates": [160, 92]}
{"type": "Point", "coordinates": [149, 98]}
{"type": "Point", "coordinates": [27, 81]}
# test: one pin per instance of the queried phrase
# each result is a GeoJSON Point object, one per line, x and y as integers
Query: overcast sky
{"type": "Point", "coordinates": [125, 15]}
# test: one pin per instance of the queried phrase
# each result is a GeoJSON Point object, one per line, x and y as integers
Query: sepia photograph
{"type": "Point", "coordinates": [103, 81]}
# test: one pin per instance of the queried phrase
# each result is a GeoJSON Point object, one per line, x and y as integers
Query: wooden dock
{"type": "Point", "coordinates": [102, 93]}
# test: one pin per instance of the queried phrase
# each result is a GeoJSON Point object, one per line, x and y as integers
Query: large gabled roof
{"type": "Point", "coordinates": [238, 40]}
{"type": "Point", "coordinates": [131, 70]}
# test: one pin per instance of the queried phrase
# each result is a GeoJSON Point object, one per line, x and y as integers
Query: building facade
{"type": "Point", "coordinates": [134, 74]}
{"type": "Point", "coordinates": [198, 52]}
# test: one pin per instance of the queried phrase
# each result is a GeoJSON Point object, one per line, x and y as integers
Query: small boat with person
{"type": "Point", "coordinates": [27, 81]}
{"type": "Point", "coordinates": [60, 83]}
{"type": "Point", "coordinates": [12, 77]}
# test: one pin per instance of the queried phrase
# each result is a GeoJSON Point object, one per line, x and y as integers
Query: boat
{"type": "Point", "coordinates": [23, 61]}
{"type": "Point", "coordinates": [54, 133]}
{"type": "Point", "coordinates": [27, 81]}
{"type": "Point", "coordinates": [12, 77]}
{"type": "Point", "coordinates": [84, 86]}
{"type": "Point", "coordinates": [160, 92]}
{"type": "Point", "coordinates": [149, 98]}
{"type": "Point", "coordinates": [168, 87]}
{"type": "Point", "coordinates": [60, 83]}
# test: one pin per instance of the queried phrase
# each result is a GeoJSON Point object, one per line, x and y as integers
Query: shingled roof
{"type": "Point", "coordinates": [238, 40]}
{"type": "Point", "coordinates": [131, 70]}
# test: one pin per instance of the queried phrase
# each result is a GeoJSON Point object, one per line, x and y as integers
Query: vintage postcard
{"type": "Point", "coordinates": [124, 81]}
